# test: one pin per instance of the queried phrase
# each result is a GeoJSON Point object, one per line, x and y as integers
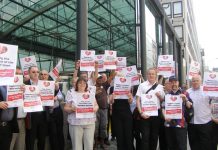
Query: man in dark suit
{"type": "Point", "coordinates": [36, 122]}
{"type": "Point", "coordinates": [8, 121]}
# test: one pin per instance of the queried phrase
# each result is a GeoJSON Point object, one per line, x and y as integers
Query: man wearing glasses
{"type": "Point", "coordinates": [36, 124]}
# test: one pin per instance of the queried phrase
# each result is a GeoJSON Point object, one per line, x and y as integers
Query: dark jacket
{"type": "Point", "coordinates": [13, 123]}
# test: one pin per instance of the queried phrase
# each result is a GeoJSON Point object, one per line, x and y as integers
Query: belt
{"type": "Point", "coordinates": [3, 124]}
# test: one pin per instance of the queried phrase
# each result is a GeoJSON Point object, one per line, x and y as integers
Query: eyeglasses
{"type": "Point", "coordinates": [35, 72]}
{"type": "Point", "coordinates": [43, 74]}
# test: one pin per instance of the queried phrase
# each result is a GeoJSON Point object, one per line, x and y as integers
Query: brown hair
{"type": "Point", "coordinates": [77, 82]}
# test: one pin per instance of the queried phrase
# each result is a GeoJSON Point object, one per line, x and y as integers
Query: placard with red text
{"type": "Point", "coordinates": [32, 100]}
{"type": "Point", "coordinates": [47, 89]}
{"type": "Point", "coordinates": [87, 60]}
{"type": "Point", "coordinates": [173, 106]}
{"type": "Point", "coordinates": [85, 105]}
{"type": "Point", "coordinates": [149, 104]}
{"type": "Point", "coordinates": [15, 93]}
{"type": "Point", "coordinates": [8, 61]}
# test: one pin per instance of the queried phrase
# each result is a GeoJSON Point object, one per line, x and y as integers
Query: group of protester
{"type": "Point", "coordinates": [131, 127]}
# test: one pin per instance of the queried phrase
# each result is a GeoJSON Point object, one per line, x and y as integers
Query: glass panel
{"type": "Point", "coordinates": [151, 44]}
{"type": "Point", "coordinates": [177, 9]}
{"type": "Point", "coordinates": [167, 8]}
{"type": "Point", "coordinates": [179, 31]}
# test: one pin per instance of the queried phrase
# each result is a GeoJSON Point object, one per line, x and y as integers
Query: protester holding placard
{"type": "Point", "coordinates": [8, 121]}
{"type": "Point", "coordinates": [122, 120]}
{"type": "Point", "coordinates": [200, 127]}
{"type": "Point", "coordinates": [81, 129]}
{"type": "Point", "coordinates": [55, 121]}
{"type": "Point", "coordinates": [102, 113]}
{"type": "Point", "coordinates": [173, 111]}
{"type": "Point", "coordinates": [150, 124]}
{"type": "Point", "coordinates": [36, 122]}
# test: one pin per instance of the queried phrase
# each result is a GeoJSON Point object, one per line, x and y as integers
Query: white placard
{"type": "Point", "coordinates": [32, 100]}
{"type": "Point", "coordinates": [27, 62]}
{"type": "Point", "coordinates": [14, 92]}
{"type": "Point", "coordinates": [131, 72]}
{"type": "Point", "coordinates": [121, 62]}
{"type": "Point", "coordinates": [47, 89]}
{"type": "Point", "coordinates": [55, 72]}
{"type": "Point", "coordinates": [194, 69]}
{"type": "Point", "coordinates": [85, 105]}
{"type": "Point", "coordinates": [149, 104]}
{"type": "Point", "coordinates": [100, 59]}
{"type": "Point", "coordinates": [110, 59]}
{"type": "Point", "coordinates": [8, 61]}
{"type": "Point", "coordinates": [122, 86]}
{"type": "Point", "coordinates": [210, 84]}
{"type": "Point", "coordinates": [165, 63]}
{"type": "Point", "coordinates": [87, 60]}
{"type": "Point", "coordinates": [173, 106]}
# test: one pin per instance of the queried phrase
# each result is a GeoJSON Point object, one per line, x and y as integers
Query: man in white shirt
{"type": "Point", "coordinates": [149, 124]}
{"type": "Point", "coordinates": [200, 127]}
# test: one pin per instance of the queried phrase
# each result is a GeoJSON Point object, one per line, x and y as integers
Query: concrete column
{"type": "Point", "coordinates": [143, 38]}
{"type": "Point", "coordinates": [163, 21]}
{"type": "Point", "coordinates": [82, 27]}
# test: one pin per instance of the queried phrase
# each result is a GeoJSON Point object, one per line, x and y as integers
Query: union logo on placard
{"type": "Point", "coordinates": [173, 98]}
{"type": "Point", "coordinates": [85, 96]}
{"type": "Point", "coordinates": [212, 76]}
{"type": "Point", "coordinates": [46, 84]}
{"type": "Point", "coordinates": [165, 57]}
{"type": "Point", "coordinates": [148, 96]}
{"type": "Point", "coordinates": [32, 89]}
{"type": "Point", "coordinates": [99, 56]}
{"type": "Point", "coordinates": [122, 80]}
{"type": "Point", "coordinates": [87, 52]}
{"type": "Point", "coordinates": [110, 52]}
{"type": "Point", "coordinates": [120, 59]}
{"type": "Point", "coordinates": [27, 59]}
{"type": "Point", "coordinates": [3, 49]}
{"type": "Point", "coordinates": [129, 69]}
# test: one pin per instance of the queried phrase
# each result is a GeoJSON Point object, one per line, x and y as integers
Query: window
{"type": "Point", "coordinates": [179, 31]}
{"type": "Point", "coordinates": [177, 9]}
{"type": "Point", "coordinates": [167, 8]}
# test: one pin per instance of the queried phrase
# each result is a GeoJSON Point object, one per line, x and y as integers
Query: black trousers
{"type": "Point", "coordinates": [122, 119]}
{"type": "Point", "coordinates": [200, 136]}
{"type": "Point", "coordinates": [215, 136]}
{"type": "Point", "coordinates": [38, 131]}
{"type": "Point", "coordinates": [137, 133]}
{"type": "Point", "coordinates": [149, 132]}
{"type": "Point", "coordinates": [176, 138]}
{"type": "Point", "coordinates": [55, 129]}
{"type": "Point", "coordinates": [162, 136]}
{"type": "Point", "coordinates": [5, 137]}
